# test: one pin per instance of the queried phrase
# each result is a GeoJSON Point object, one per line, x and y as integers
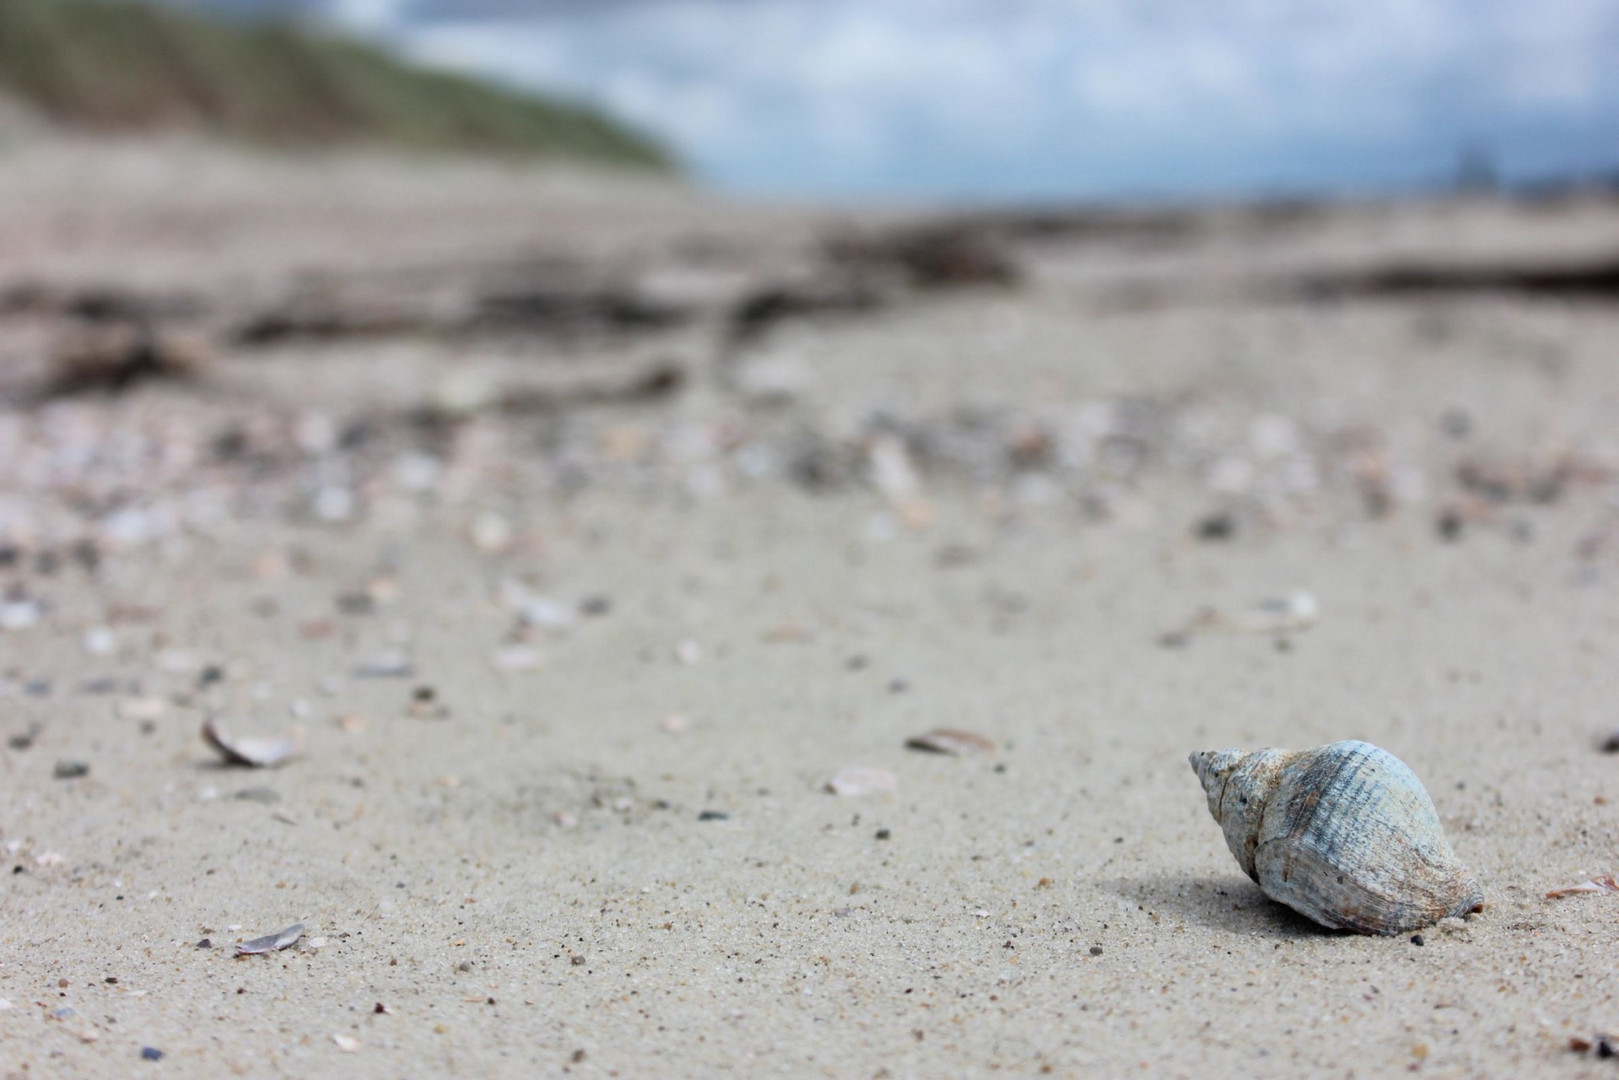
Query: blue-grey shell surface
{"type": "Point", "coordinates": [1344, 834]}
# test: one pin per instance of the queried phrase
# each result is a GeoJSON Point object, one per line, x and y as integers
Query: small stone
{"type": "Point", "coordinates": [1096, 950]}
{"type": "Point", "coordinates": [70, 770]}
{"type": "Point", "coordinates": [491, 533]}
{"type": "Point", "coordinates": [1579, 1045]}
{"type": "Point", "coordinates": [1605, 1047]}
{"type": "Point", "coordinates": [151, 1053]}
{"type": "Point", "coordinates": [19, 615]}
{"type": "Point", "coordinates": [1449, 525]}
{"type": "Point", "coordinates": [713, 815]}
{"type": "Point", "coordinates": [1218, 526]}
{"type": "Point", "coordinates": [1416, 939]}
{"type": "Point", "coordinates": [1610, 744]}
{"type": "Point", "coordinates": [884, 834]}
{"type": "Point", "coordinates": [100, 641]}
{"type": "Point", "coordinates": [595, 605]}
{"type": "Point", "coordinates": [332, 504]}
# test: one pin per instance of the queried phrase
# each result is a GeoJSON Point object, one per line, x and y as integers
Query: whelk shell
{"type": "Point", "coordinates": [1344, 834]}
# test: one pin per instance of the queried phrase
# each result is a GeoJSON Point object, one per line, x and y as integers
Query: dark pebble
{"type": "Point", "coordinates": [1611, 743]}
{"type": "Point", "coordinates": [1416, 939]}
{"type": "Point", "coordinates": [211, 674]}
{"type": "Point", "coordinates": [595, 605]}
{"type": "Point", "coordinates": [1220, 526]}
{"type": "Point", "coordinates": [1096, 950]}
{"type": "Point", "coordinates": [898, 686]}
{"type": "Point", "coordinates": [884, 834]}
{"type": "Point", "coordinates": [206, 943]}
{"type": "Point", "coordinates": [9, 554]}
{"type": "Point", "coordinates": [1450, 525]}
{"type": "Point", "coordinates": [1605, 1047]}
{"type": "Point", "coordinates": [855, 663]}
{"type": "Point", "coordinates": [713, 815]}
{"type": "Point", "coordinates": [70, 770]}
{"type": "Point", "coordinates": [151, 1053]}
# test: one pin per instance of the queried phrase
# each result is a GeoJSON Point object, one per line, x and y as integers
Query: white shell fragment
{"type": "Point", "coordinates": [861, 780]}
{"type": "Point", "coordinates": [1289, 614]}
{"type": "Point", "coordinates": [249, 752]}
{"type": "Point", "coordinates": [272, 942]}
{"type": "Point", "coordinates": [1344, 834]}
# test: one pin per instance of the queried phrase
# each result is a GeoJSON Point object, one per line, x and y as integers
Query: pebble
{"type": "Point", "coordinates": [492, 533]}
{"type": "Point", "coordinates": [151, 1053]}
{"type": "Point", "coordinates": [100, 641]}
{"type": "Point", "coordinates": [19, 615]}
{"type": "Point", "coordinates": [70, 770]}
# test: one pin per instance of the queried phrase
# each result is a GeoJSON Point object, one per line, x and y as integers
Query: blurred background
{"type": "Point", "coordinates": [988, 101]}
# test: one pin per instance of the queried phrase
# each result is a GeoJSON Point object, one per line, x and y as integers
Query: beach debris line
{"type": "Point", "coordinates": [951, 741]}
{"type": "Point", "coordinates": [1351, 838]}
{"type": "Point", "coordinates": [855, 780]}
{"type": "Point", "coordinates": [1604, 884]}
{"type": "Point", "coordinates": [270, 943]}
{"type": "Point", "coordinates": [253, 753]}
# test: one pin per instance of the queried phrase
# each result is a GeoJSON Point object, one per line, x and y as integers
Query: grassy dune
{"type": "Point", "coordinates": [112, 66]}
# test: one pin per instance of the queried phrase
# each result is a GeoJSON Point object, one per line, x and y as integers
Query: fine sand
{"type": "Point", "coordinates": [572, 659]}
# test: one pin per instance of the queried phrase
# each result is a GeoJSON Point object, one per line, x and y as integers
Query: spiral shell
{"type": "Point", "coordinates": [1344, 834]}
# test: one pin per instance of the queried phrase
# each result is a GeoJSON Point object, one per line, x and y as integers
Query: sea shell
{"type": "Point", "coordinates": [1344, 834]}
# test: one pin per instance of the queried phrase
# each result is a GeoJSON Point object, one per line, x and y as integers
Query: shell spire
{"type": "Point", "coordinates": [1344, 834]}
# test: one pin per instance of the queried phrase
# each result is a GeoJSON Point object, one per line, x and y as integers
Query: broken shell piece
{"type": "Point", "coordinates": [271, 942]}
{"type": "Point", "coordinates": [1605, 884]}
{"type": "Point", "coordinates": [951, 741]}
{"type": "Point", "coordinates": [250, 752]}
{"type": "Point", "coordinates": [346, 1043]}
{"type": "Point", "coordinates": [517, 658]}
{"type": "Point", "coordinates": [1344, 834]}
{"type": "Point", "coordinates": [861, 780]}
{"type": "Point", "coordinates": [1296, 611]}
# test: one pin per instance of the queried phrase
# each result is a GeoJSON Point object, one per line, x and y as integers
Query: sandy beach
{"type": "Point", "coordinates": [578, 532]}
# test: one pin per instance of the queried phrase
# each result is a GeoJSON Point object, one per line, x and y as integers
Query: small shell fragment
{"type": "Point", "coordinates": [517, 658]}
{"type": "Point", "coordinates": [1288, 614]}
{"type": "Point", "coordinates": [250, 752]}
{"type": "Point", "coordinates": [1605, 884]}
{"type": "Point", "coordinates": [861, 780]}
{"type": "Point", "coordinates": [346, 1043]}
{"type": "Point", "coordinates": [951, 741]}
{"type": "Point", "coordinates": [271, 942]}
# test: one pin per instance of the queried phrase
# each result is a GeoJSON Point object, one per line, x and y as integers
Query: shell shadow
{"type": "Point", "coordinates": [1229, 903]}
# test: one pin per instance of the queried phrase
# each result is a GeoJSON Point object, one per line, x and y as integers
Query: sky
{"type": "Point", "coordinates": [1054, 100]}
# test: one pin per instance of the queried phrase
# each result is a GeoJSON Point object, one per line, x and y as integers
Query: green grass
{"type": "Point", "coordinates": [104, 65]}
